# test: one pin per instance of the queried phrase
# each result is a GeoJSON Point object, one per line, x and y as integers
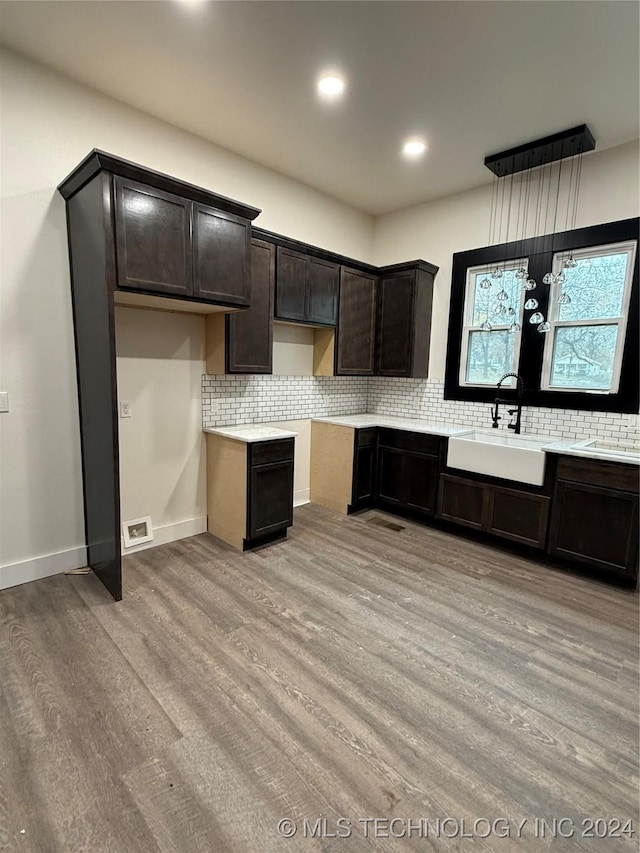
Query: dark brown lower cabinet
{"type": "Point", "coordinates": [510, 513]}
{"type": "Point", "coordinates": [595, 515]}
{"type": "Point", "coordinates": [269, 490]}
{"type": "Point", "coordinates": [408, 465]}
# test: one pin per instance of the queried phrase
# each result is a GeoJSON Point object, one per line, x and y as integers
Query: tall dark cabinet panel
{"type": "Point", "coordinates": [250, 333]}
{"type": "Point", "coordinates": [153, 239]}
{"type": "Point", "coordinates": [131, 229]}
{"type": "Point", "coordinates": [92, 266]}
{"type": "Point", "coordinates": [403, 334]}
{"type": "Point", "coordinates": [356, 324]}
{"type": "Point", "coordinates": [221, 256]}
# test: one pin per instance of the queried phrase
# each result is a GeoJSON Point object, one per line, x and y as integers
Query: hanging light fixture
{"type": "Point", "coordinates": [543, 159]}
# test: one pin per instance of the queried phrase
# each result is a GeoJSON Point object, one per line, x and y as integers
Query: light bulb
{"type": "Point", "coordinates": [496, 273]}
{"type": "Point", "coordinates": [486, 326]}
{"type": "Point", "coordinates": [530, 284]}
{"type": "Point", "coordinates": [485, 284]}
{"type": "Point", "coordinates": [536, 318]}
{"type": "Point", "coordinates": [549, 278]}
{"type": "Point", "coordinates": [544, 327]}
{"type": "Point", "coordinates": [531, 304]}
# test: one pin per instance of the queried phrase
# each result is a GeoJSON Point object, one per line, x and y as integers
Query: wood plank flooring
{"type": "Point", "coordinates": [353, 671]}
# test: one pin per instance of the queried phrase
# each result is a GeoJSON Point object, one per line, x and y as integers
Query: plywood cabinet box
{"type": "Point", "coordinates": [137, 237]}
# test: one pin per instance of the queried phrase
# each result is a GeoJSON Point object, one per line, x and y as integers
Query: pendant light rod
{"type": "Point", "coordinates": [558, 146]}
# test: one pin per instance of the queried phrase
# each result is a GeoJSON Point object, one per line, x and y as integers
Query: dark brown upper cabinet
{"type": "Point", "coordinates": [306, 288]}
{"type": "Point", "coordinates": [355, 354]}
{"type": "Point", "coordinates": [221, 256]}
{"type": "Point", "coordinates": [403, 333]}
{"type": "Point", "coordinates": [169, 245]}
{"type": "Point", "coordinates": [153, 239]}
{"type": "Point", "coordinates": [249, 343]}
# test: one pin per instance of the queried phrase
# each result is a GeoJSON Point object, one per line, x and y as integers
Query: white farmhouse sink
{"type": "Point", "coordinates": [499, 454]}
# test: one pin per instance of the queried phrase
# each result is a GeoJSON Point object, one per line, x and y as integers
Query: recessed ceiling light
{"type": "Point", "coordinates": [330, 86]}
{"type": "Point", "coordinates": [414, 148]}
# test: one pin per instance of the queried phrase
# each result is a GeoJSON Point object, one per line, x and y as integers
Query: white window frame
{"type": "Point", "coordinates": [468, 327]}
{"type": "Point", "coordinates": [629, 246]}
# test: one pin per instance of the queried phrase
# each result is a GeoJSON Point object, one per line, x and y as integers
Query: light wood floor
{"type": "Point", "coordinates": [352, 671]}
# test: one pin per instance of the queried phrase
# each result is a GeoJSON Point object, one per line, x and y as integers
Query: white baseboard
{"type": "Point", "coordinates": [14, 574]}
{"type": "Point", "coordinates": [301, 497]}
{"type": "Point", "coordinates": [170, 533]}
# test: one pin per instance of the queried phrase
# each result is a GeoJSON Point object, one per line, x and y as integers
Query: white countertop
{"type": "Point", "coordinates": [571, 447]}
{"type": "Point", "coordinates": [408, 424]}
{"type": "Point", "coordinates": [251, 432]}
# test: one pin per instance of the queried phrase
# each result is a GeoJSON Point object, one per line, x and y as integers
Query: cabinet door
{"type": "Point", "coordinates": [322, 292]}
{"type": "Point", "coordinates": [153, 239]}
{"type": "Point", "coordinates": [292, 269]}
{"type": "Point", "coordinates": [407, 479]}
{"type": "Point", "coordinates": [364, 477]}
{"type": "Point", "coordinates": [463, 501]}
{"type": "Point", "coordinates": [356, 324]}
{"type": "Point", "coordinates": [519, 516]}
{"type": "Point", "coordinates": [394, 334]}
{"type": "Point", "coordinates": [597, 526]}
{"type": "Point", "coordinates": [420, 482]}
{"type": "Point", "coordinates": [221, 262]}
{"type": "Point", "coordinates": [270, 498]}
{"type": "Point", "coordinates": [250, 332]}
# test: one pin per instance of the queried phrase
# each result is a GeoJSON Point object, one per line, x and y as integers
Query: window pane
{"type": "Point", "coordinates": [583, 357]}
{"type": "Point", "coordinates": [489, 357]}
{"type": "Point", "coordinates": [487, 306]}
{"type": "Point", "coordinates": [595, 287]}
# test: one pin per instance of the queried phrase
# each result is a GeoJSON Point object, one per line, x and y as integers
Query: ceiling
{"type": "Point", "coordinates": [473, 78]}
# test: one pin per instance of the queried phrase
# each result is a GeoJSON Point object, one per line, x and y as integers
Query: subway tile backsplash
{"type": "Point", "coordinates": [420, 398]}
{"type": "Point", "coordinates": [258, 399]}
{"type": "Point", "coordinates": [230, 400]}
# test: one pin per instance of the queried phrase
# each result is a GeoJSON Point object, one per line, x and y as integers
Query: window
{"type": "Point", "coordinates": [589, 357]}
{"type": "Point", "coordinates": [492, 324]}
{"type": "Point", "coordinates": [588, 316]}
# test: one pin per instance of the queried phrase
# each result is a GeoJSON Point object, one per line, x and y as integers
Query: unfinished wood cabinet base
{"type": "Point", "coordinates": [227, 489]}
{"type": "Point", "coordinates": [332, 466]}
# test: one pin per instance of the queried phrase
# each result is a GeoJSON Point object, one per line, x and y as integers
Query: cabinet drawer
{"type": "Point", "coordinates": [365, 437]}
{"type": "Point", "coordinates": [264, 452]}
{"type": "Point", "coordinates": [403, 440]}
{"type": "Point", "coordinates": [611, 475]}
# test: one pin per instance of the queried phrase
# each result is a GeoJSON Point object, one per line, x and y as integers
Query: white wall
{"type": "Point", "coordinates": [434, 231]}
{"type": "Point", "coordinates": [49, 124]}
{"type": "Point", "coordinates": [160, 362]}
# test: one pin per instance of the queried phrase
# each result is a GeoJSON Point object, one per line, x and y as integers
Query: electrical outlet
{"type": "Point", "coordinates": [125, 409]}
{"type": "Point", "coordinates": [4, 401]}
{"type": "Point", "coordinates": [631, 423]}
